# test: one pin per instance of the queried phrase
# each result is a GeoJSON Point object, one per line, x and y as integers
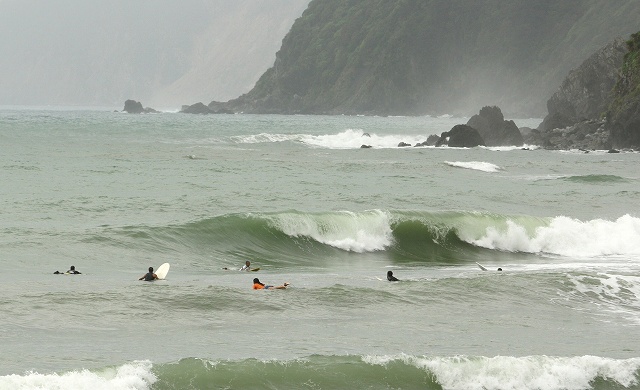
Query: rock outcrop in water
{"type": "Point", "coordinates": [201, 108]}
{"type": "Point", "coordinates": [134, 107]}
{"type": "Point", "coordinates": [461, 136]}
{"type": "Point", "coordinates": [494, 129]}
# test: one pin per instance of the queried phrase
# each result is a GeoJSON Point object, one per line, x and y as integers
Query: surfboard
{"type": "Point", "coordinates": [481, 267]}
{"type": "Point", "coordinates": [255, 269]}
{"type": "Point", "coordinates": [162, 271]}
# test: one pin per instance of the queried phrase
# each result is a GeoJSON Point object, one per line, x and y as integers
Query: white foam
{"type": "Point", "coordinates": [132, 376]}
{"type": "Point", "coordinates": [529, 372]}
{"type": "Point", "coordinates": [619, 294]}
{"type": "Point", "coordinates": [477, 165]}
{"type": "Point", "coordinates": [355, 232]}
{"type": "Point", "coordinates": [355, 138]}
{"type": "Point", "coordinates": [348, 139]}
{"type": "Point", "coordinates": [567, 237]}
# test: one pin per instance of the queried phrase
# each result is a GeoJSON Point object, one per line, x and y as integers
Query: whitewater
{"type": "Point", "coordinates": [298, 196]}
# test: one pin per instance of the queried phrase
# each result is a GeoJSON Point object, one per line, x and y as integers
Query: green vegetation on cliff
{"type": "Point", "coordinates": [434, 56]}
{"type": "Point", "coordinates": [624, 112]}
{"type": "Point", "coordinates": [628, 87]}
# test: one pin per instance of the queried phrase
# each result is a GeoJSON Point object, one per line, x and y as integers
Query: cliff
{"type": "Point", "coordinates": [575, 118]}
{"type": "Point", "coordinates": [598, 104]}
{"type": "Point", "coordinates": [623, 116]}
{"type": "Point", "coordinates": [432, 56]}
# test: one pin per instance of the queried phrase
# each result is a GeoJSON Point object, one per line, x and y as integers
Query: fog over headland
{"type": "Point", "coordinates": [163, 53]}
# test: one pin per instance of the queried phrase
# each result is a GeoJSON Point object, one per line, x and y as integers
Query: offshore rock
{"type": "Point", "coordinates": [197, 108]}
{"type": "Point", "coordinates": [134, 107]}
{"type": "Point", "coordinates": [461, 136]}
{"type": "Point", "coordinates": [494, 129]}
{"type": "Point", "coordinates": [201, 108]}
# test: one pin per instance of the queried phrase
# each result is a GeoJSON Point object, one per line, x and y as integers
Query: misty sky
{"type": "Point", "coordinates": [162, 53]}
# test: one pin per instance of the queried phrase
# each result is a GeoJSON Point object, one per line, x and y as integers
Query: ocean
{"type": "Point", "coordinates": [114, 194]}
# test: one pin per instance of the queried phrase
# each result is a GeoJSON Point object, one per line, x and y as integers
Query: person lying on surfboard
{"type": "Point", "coordinates": [245, 267]}
{"type": "Point", "coordinates": [72, 271]}
{"type": "Point", "coordinates": [149, 276]}
{"type": "Point", "coordinates": [391, 278]}
{"type": "Point", "coordinates": [257, 285]}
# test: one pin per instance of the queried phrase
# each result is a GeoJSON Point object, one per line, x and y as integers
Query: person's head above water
{"type": "Point", "coordinates": [150, 269]}
{"type": "Point", "coordinates": [389, 273]}
{"type": "Point", "coordinates": [256, 280]}
{"type": "Point", "coordinates": [73, 268]}
{"type": "Point", "coordinates": [247, 263]}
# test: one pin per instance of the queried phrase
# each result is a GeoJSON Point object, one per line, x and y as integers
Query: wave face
{"type": "Point", "coordinates": [295, 237]}
{"type": "Point", "coordinates": [352, 372]}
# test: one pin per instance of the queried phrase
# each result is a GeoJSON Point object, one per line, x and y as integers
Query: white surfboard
{"type": "Point", "coordinates": [481, 267]}
{"type": "Point", "coordinates": [162, 271]}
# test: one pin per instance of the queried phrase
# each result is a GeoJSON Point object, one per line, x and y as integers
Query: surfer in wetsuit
{"type": "Point", "coordinates": [149, 276]}
{"type": "Point", "coordinates": [391, 278]}
{"type": "Point", "coordinates": [72, 271]}
{"type": "Point", "coordinates": [257, 285]}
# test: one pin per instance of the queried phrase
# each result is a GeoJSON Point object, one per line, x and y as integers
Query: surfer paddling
{"type": "Point", "coordinates": [391, 278]}
{"type": "Point", "coordinates": [245, 267]}
{"type": "Point", "coordinates": [257, 285]}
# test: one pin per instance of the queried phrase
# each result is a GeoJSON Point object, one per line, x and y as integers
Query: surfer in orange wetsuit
{"type": "Point", "coordinates": [257, 285]}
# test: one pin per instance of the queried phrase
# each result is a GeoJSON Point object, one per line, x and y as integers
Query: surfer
{"type": "Point", "coordinates": [149, 276]}
{"type": "Point", "coordinates": [257, 285]}
{"type": "Point", "coordinates": [391, 278]}
{"type": "Point", "coordinates": [245, 267]}
{"type": "Point", "coordinates": [72, 271]}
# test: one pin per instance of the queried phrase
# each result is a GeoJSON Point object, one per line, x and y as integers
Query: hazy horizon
{"type": "Point", "coordinates": [164, 54]}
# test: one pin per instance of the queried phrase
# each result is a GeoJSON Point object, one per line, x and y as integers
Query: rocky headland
{"type": "Point", "coordinates": [597, 105]}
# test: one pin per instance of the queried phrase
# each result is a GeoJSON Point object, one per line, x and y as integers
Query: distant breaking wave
{"type": "Point", "coordinates": [477, 165]}
{"type": "Point", "coordinates": [348, 139]}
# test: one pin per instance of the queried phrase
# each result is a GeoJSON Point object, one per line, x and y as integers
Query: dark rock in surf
{"type": "Point", "coordinates": [134, 107]}
{"type": "Point", "coordinates": [197, 108]}
{"type": "Point", "coordinates": [403, 144]}
{"type": "Point", "coordinates": [461, 136]}
{"type": "Point", "coordinates": [201, 108]}
{"type": "Point", "coordinates": [431, 141]}
{"type": "Point", "coordinates": [494, 129]}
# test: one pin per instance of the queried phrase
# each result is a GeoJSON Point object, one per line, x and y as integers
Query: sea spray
{"type": "Point", "coordinates": [132, 376]}
{"type": "Point", "coordinates": [568, 237]}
